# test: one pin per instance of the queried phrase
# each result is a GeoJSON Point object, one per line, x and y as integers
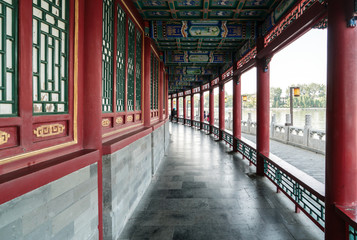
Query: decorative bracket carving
{"type": "Point", "coordinates": [119, 120]}
{"type": "Point", "coordinates": [49, 130]}
{"type": "Point", "coordinates": [4, 137]}
{"type": "Point", "coordinates": [266, 63]}
{"type": "Point", "coordinates": [105, 122]}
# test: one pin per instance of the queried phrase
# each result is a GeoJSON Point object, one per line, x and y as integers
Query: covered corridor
{"type": "Point", "coordinates": [86, 91]}
{"type": "Point", "coordinates": [202, 191]}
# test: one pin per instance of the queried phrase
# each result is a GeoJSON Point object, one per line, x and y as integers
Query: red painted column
{"type": "Point", "coordinates": [25, 72]}
{"type": "Point", "coordinates": [161, 91]}
{"type": "Point", "coordinates": [167, 95]}
{"type": "Point", "coordinates": [147, 80]}
{"type": "Point", "coordinates": [202, 101]}
{"type": "Point", "coordinates": [221, 110]}
{"type": "Point", "coordinates": [263, 108]}
{"type": "Point", "coordinates": [172, 103]}
{"type": "Point", "coordinates": [177, 106]}
{"type": "Point", "coordinates": [92, 89]}
{"type": "Point", "coordinates": [184, 109]}
{"type": "Point", "coordinates": [192, 109]}
{"type": "Point", "coordinates": [341, 113]}
{"type": "Point", "coordinates": [237, 106]}
{"type": "Point", "coordinates": [211, 108]}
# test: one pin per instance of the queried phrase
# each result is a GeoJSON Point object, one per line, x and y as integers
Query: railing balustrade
{"type": "Point", "coordinates": [306, 137]}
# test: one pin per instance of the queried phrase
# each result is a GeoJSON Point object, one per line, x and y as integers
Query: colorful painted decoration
{"type": "Point", "coordinates": [201, 29]}
{"type": "Point", "coordinates": [223, 3]}
{"type": "Point", "coordinates": [192, 70]}
{"type": "Point", "coordinates": [193, 78]}
{"type": "Point", "coordinates": [197, 57]}
{"type": "Point", "coordinates": [256, 3]}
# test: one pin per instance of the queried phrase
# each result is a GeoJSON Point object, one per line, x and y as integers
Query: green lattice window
{"type": "Point", "coordinates": [138, 70]}
{"type": "Point", "coordinates": [131, 59]}
{"type": "Point", "coordinates": [121, 56]}
{"type": "Point", "coordinates": [8, 48]}
{"type": "Point", "coordinates": [50, 56]}
{"type": "Point", "coordinates": [156, 84]}
{"type": "Point", "coordinates": [107, 58]}
{"type": "Point", "coordinates": [152, 81]}
{"type": "Point", "coordinates": [164, 93]}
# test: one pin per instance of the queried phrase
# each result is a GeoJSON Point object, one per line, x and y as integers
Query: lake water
{"type": "Point", "coordinates": [318, 116]}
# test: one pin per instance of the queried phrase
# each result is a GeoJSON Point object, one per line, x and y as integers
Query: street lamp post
{"type": "Point", "coordinates": [294, 92]}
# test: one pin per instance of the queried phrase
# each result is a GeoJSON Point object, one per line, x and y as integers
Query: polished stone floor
{"type": "Point", "coordinates": [202, 191]}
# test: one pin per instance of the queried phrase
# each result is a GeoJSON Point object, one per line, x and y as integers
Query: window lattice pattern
{"type": "Point", "coordinates": [8, 47]}
{"type": "Point", "coordinates": [107, 56]}
{"type": "Point", "coordinates": [50, 56]}
{"type": "Point", "coordinates": [152, 81]}
{"type": "Point", "coordinates": [138, 70]}
{"type": "Point", "coordinates": [156, 84]}
{"type": "Point", "coordinates": [164, 93]}
{"type": "Point", "coordinates": [121, 55]}
{"type": "Point", "coordinates": [131, 56]}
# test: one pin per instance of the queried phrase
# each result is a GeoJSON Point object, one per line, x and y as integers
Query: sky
{"type": "Point", "coordinates": [303, 61]}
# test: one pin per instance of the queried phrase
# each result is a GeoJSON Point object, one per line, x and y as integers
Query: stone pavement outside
{"type": "Point", "coordinates": [307, 161]}
{"type": "Point", "coordinates": [202, 191]}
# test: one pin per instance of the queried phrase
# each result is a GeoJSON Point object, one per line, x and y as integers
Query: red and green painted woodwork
{"type": "Point", "coordinates": [341, 117]}
{"type": "Point", "coordinates": [138, 68]}
{"type": "Point", "coordinates": [8, 59]}
{"type": "Point", "coordinates": [107, 58]}
{"type": "Point", "coordinates": [121, 75]}
{"type": "Point", "coordinates": [121, 57]}
{"type": "Point", "coordinates": [154, 85]}
{"type": "Point", "coordinates": [50, 57]}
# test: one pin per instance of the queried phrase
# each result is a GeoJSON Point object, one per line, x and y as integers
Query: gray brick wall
{"type": "Point", "coordinates": [167, 135]}
{"type": "Point", "coordinates": [64, 209]}
{"type": "Point", "coordinates": [126, 176]}
{"type": "Point", "coordinates": [158, 147]}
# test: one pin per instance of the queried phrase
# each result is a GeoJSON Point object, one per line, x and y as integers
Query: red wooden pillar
{"type": "Point", "coordinates": [211, 108]}
{"type": "Point", "coordinates": [221, 109]}
{"type": "Point", "coordinates": [192, 109]}
{"type": "Point", "coordinates": [25, 72]}
{"type": "Point", "coordinates": [184, 109]}
{"type": "Point", "coordinates": [202, 101]}
{"type": "Point", "coordinates": [237, 106]}
{"type": "Point", "coordinates": [167, 94]}
{"type": "Point", "coordinates": [177, 106]}
{"type": "Point", "coordinates": [161, 91]}
{"type": "Point", "coordinates": [92, 88]}
{"type": "Point", "coordinates": [172, 103]}
{"type": "Point", "coordinates": [147, 80]}
{"type": "Point", "coordinates": [263, 101]}
{"type": "Point", "coordinates": [341, 112]}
